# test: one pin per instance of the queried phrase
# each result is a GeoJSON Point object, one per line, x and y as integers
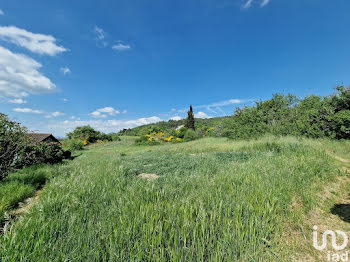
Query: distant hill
{"type": "Point", "coordinates": [173, 124]}
{"type": "Point", "coordinates": [313, 116]}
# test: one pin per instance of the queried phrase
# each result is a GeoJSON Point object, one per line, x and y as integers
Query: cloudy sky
{"type": "Point", "coordinates": [118, 64]}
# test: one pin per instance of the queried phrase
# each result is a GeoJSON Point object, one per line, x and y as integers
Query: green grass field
{"type": "Point", "coordinates": [214, 200]}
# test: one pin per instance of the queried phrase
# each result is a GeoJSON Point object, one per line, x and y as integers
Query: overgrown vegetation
{"type": "Point", "coordinates": [90, 135]}
{"type": "Point", "coordinates": [314, 117]}
{"type": "Point", "coordinates": [22, 184]}
{"type": "Point", "coordinates": [42, 153]}
{"type": "Point", "coordinates": [214, 200]}
{"type": "Point", "coordinates": [12, 141]}
{"type": "Point", "coordinates": [17, 150]}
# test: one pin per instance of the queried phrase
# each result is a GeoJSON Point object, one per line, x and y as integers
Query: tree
{"type": "Point", "coordinates": [189, 122]}
{"type": "Point", "coordinates": [12, 141]}
{"type": "Point", "coordinates": [85, 133]}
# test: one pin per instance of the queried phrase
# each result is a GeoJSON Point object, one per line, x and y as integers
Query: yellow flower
{"type": "Point", "coordinates": [178, 139]}
{"type": "Point", "coordinates": [85, 142]}
{"type": "Point", "coordinates": [170, 138]}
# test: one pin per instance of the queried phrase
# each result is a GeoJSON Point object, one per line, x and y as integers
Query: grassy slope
{"type": "Point", "coordinates": [215, 200]}
{"type": "Point", "coordinates": [21, 185]}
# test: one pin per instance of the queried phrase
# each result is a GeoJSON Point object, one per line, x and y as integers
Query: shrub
{"type": "Point", "coordinates": [12, 141]}
{"type": "Point", "coordinates": [89, 134]}
{"type": "Point", "coordinates": [147, 140]}
{"type": "Point", "coordinates": [115, 137]}
{"type": "Point", "coordinates": [190, 135]}
{"type": "Point", "coordinates": [74, 144]}
{"type": "Point", "coordinates": [49, 153]}
{"type": "Point", "coordinates": [181, 132]}
{"type": "Point", "coordinates": [341, 124]}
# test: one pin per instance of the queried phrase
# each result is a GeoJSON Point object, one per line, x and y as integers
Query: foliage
{"type": "Point", "coordinates": [74, 144]}
{"type": "Point", "coordinates": [20, 185]}
{"type": "Point", "coordinates": [181, 132]}
{"type": "Point", "coordinates": [190, 135]}
{"type": "Point", "coordinates": [341, 124]}
{"type": "Point", "coordinates": [190, 122]}
{"type": "Point", "coordinates": [12, 141]}
{"type": "Point", "coordinates": [115, 137]}
{"type": "Point", "coordinates": [42, 153]}
{"type": "Point", "coordinates": [87, 133]}
{"type": "Point", "coordinates": [313, 116]}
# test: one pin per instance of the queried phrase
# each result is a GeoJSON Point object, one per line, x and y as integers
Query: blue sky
{"type": "Point", "coordinates": [117, 64]}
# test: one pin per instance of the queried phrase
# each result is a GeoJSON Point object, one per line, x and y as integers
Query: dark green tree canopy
{"type": "Point", "coordinates": [12, 141]}
{"type": "Point", "coordinates": [190, 122]}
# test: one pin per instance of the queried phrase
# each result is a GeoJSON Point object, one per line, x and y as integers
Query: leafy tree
{"type": "Point", "coordinates": [190, 122]}
{"type": "Point", "coordinates": [341, 124]}
{"type": "Point", "coordinates": [12, 141]}
{"type": "Point", "coordinates": [89, 134]}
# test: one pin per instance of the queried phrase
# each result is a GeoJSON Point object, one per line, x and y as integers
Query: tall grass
{"type": "Point", "coordinates": [215, 200]}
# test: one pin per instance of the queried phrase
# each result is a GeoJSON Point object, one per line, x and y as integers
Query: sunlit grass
{"type": "Point", "coordinates": [215, 200]}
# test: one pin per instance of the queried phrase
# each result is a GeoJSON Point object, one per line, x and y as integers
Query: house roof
{"type": "Point", "coordinates": [40, 137]}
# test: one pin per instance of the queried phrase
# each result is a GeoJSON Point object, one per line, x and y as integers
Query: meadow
{"type": "Point", "coordinates": [211, 199]}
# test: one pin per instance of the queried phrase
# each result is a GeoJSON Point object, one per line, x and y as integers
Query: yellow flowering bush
{"type": "Point", "coordinates": [85, 142]}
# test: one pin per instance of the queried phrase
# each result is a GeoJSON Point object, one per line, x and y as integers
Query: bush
{"type": "Point", "coordinates": [12, 141]}
{"type": "Point", "coordinates": [341, 124]}
{"type": "Point", "coordinates": [87, 133]}
{"type": "Point", "coordinates": [190, 135]}
{"type": "Point", "coordinates": [73, 144]}
{"type": "Point", "coordinates": [145, 140]}
{"type": "Point", "coordinates": [46, 153]}
{"type": "Point", "coordinates": [115, 137]}
{"type": "Point", "coordinates": [181, 132]}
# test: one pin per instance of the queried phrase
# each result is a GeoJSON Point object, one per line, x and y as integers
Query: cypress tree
{"type": "Point", "coordinates": [189, 123]}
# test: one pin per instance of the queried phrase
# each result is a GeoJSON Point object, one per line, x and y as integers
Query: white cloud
{"type": "Point", "coordinates": [105, 112]}
{"type": "Point", "coordinates": [36, 43]}
{"type": "Point", "coordinates": [107, 126]}
{"type": "Point", "coordinates": [125, 111]}
{"type": "Point", "coordinates": [27, 110]}
{"type": "Point", "coordinates": [222, 103]}
{"type": "Point", "coordinates": [65, 70]}
{"type": "Point", "coordinates": [175, 118]}
{"type": "Point", "coordinates": [65, 100]}
{"type": "Point", "coordinates": [121, 47]}
{"type": "Point", "coordinates": [18, 101]}
{"type": "Point", "coordinates": [264, 2]}
{"type": "Point", "coordinates": [54, 114]}
{"type": "Point", "coordinates": [1, 12]}
{"type": "Point", "coordinates": [247, 4]}
{"type": "Point", "coordinates": [201, 115]}
{"type": "Point", "coordinates": [19, 75]}
{"type": "Point", "coordinates": [100, 36]}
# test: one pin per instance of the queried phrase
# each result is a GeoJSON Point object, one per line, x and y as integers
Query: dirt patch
{"type": "Point", "coordinates": [26, 205]}
{"type": "Point", "coordinates": [150, 177]}
{"type": "Point", "coordinates": [16, 214]}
